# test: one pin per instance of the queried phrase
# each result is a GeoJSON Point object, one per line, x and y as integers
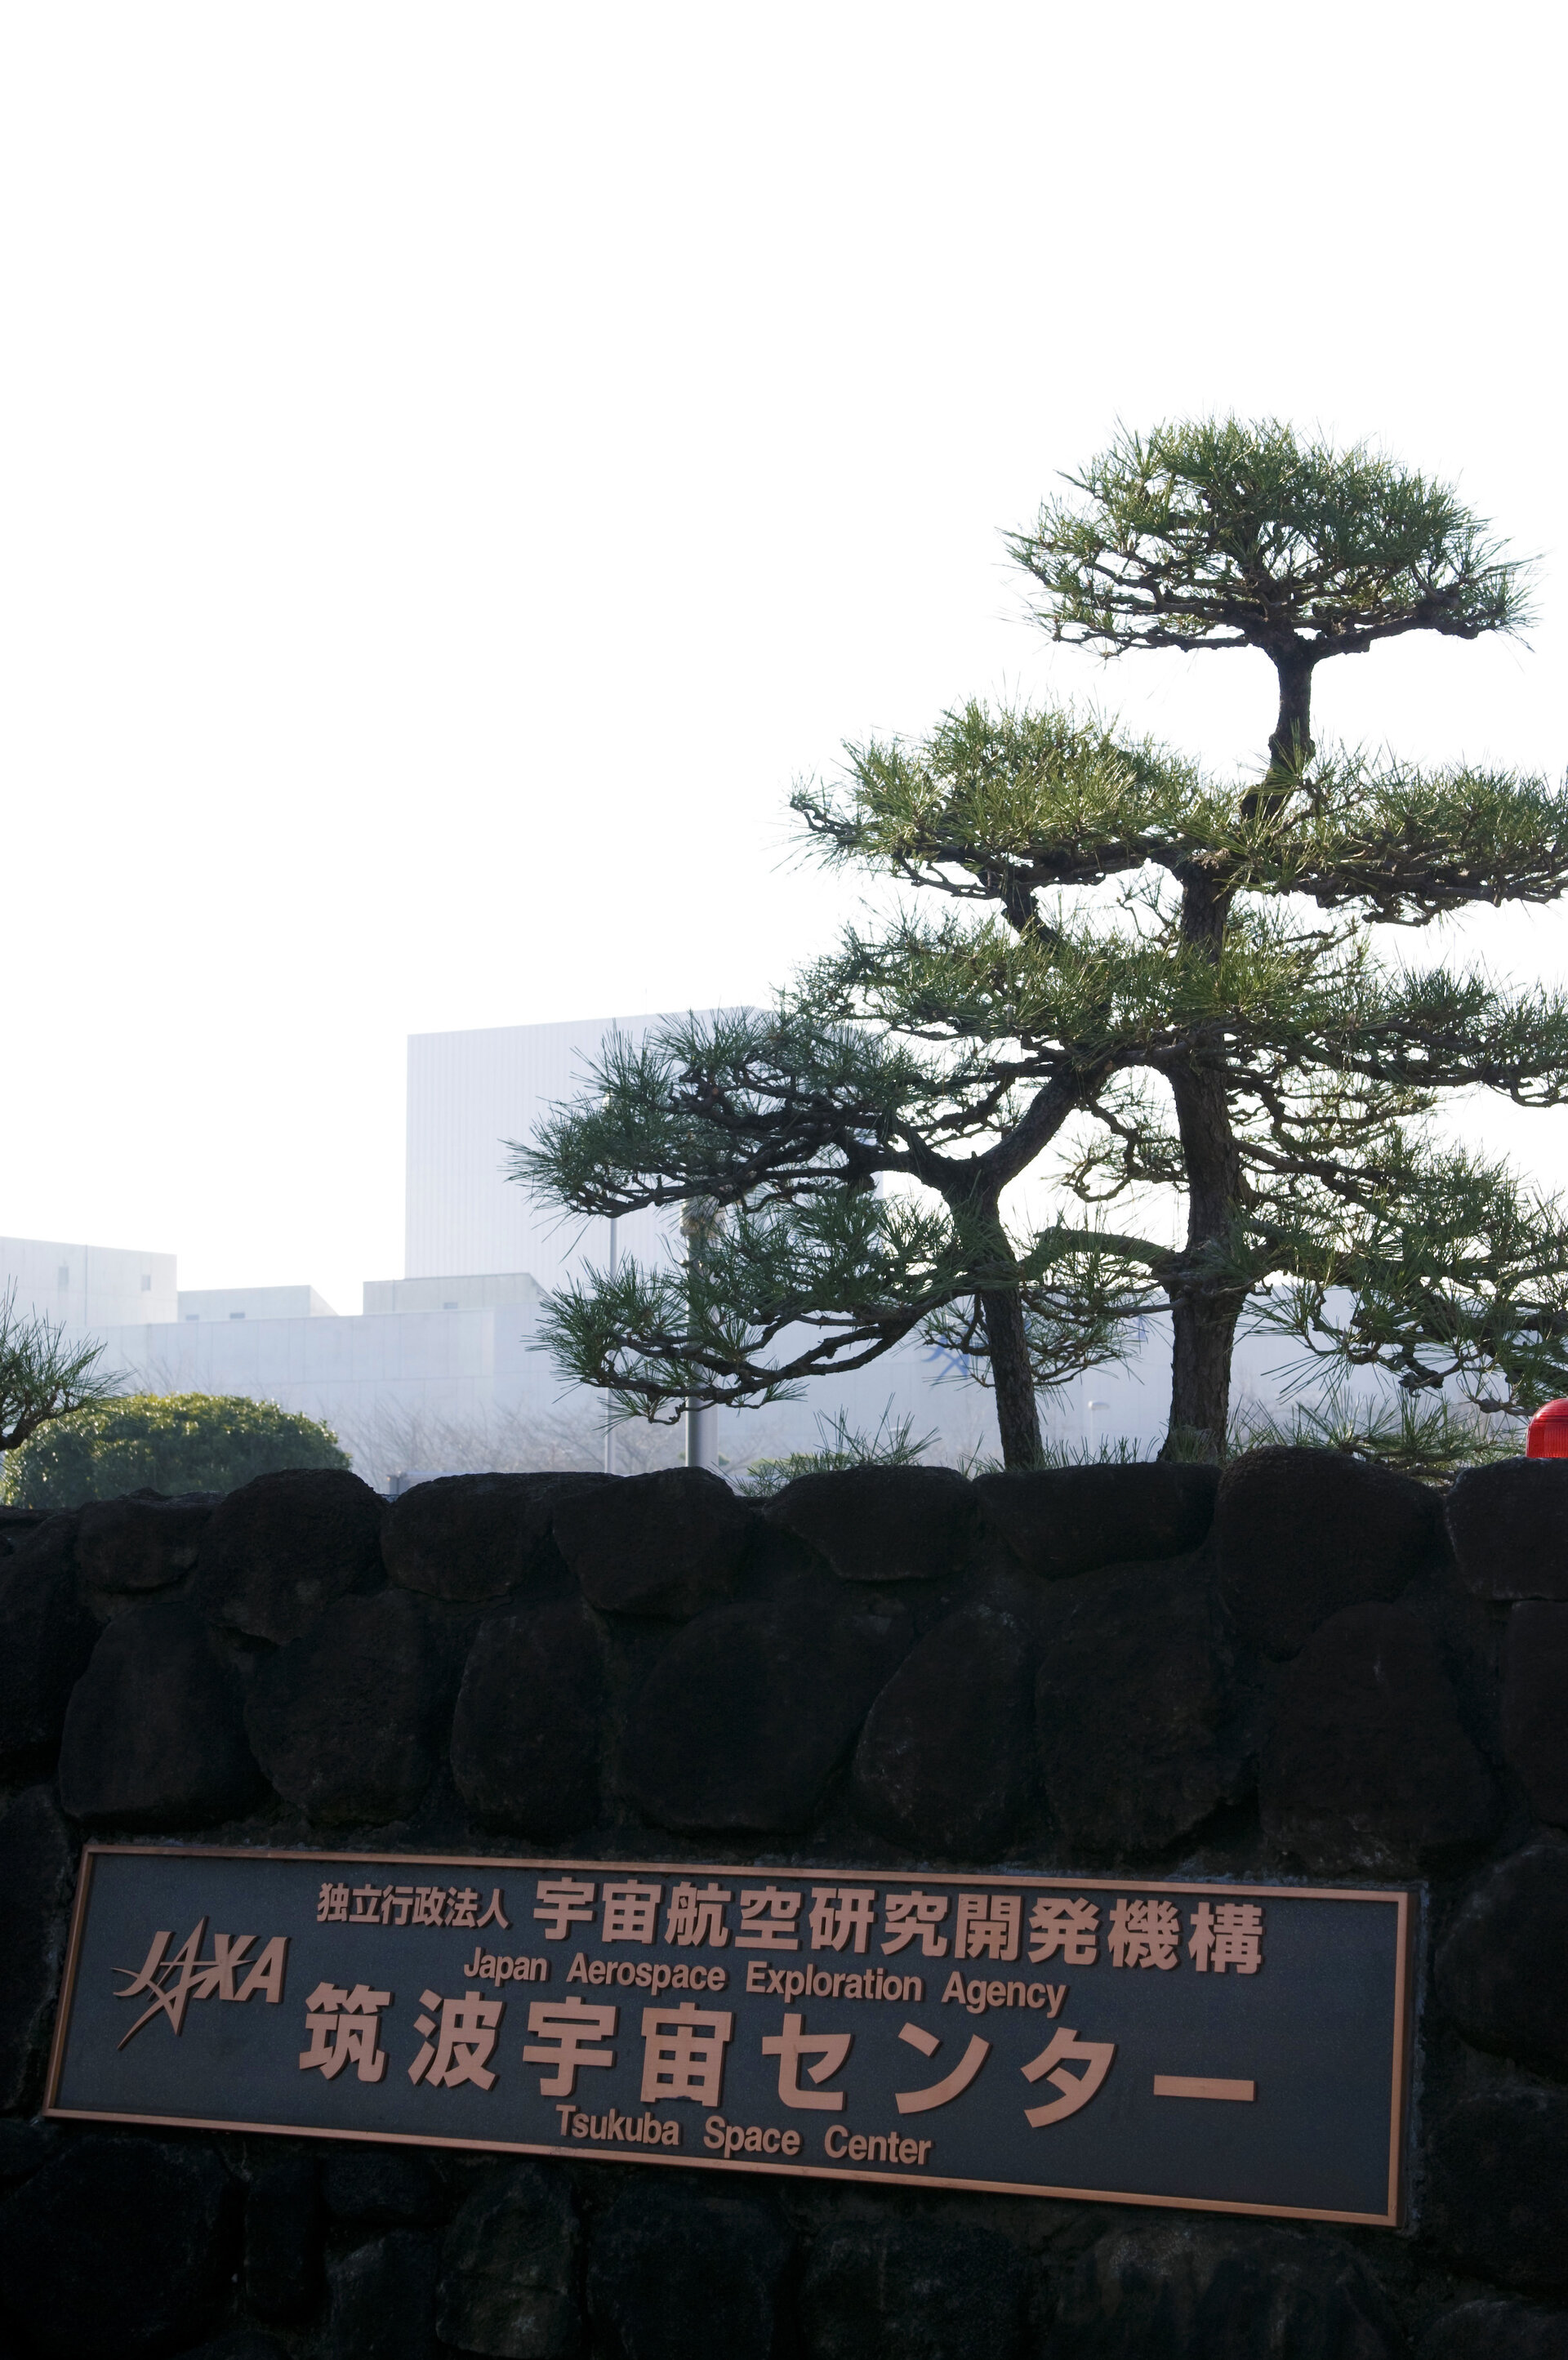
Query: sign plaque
{"type": "Point", "coordinates": [1231, 2047]}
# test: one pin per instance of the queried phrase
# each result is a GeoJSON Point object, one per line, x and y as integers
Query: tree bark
{"type": "Point", "coordinates": [1204, 1303]}
{"type": "Point", "coordinates": [1017, 1419]}
{"type": "Point", "coordinates": [1292, 744]}
{"type": "Point", "coordinates": [1203, 1334]}
{"type": "Point", "coordinates": [1204, 1308]}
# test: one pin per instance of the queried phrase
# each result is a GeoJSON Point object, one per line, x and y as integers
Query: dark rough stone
{"type": "Point", "coordinates": [1469, 1638]}
{"type": "Point", "coordinates": [476, 1536]}
{"type": "Point", "coordinates": [25, 2148]}
{"type": "Point", "coordinates": [912, 2290]}
{"type": "Point", "coordinates": [155, 1732]}
{"type": "Point", "coordinates": [666, 1544]}
{"type": "Point", "coordinates": [678, 2280]}
{"type": "Point", "coordinates": [283, 1547]}
{"type": "Point", "coordinates": [1495, 2330]}
{"type": "Point", "coordinates": [1366, 1766]}
{"type": "Point", "coordinates": [1508, 1524]}
{"type": "Point", "coordinates": [283, 2266]}
{"type": "Point", "coordinates": [345, 1720]}
{"type": "Point", "coordinates": [37, 1870]}
{"type": "Point", "coordinates": [946, 1760]}
{"type": "Point", "coordinates": [1301, 1533]}
{"type": "Point", "coordinates": [383, 2301]}
{"type": "Point", "coordinates": [1535, 1706]}
{"type": "Point", "coordinates": [509, 2269]}
{"type": "Point", "coordinates": [1500, 1968]}
{"type": "Point", "coordinates": [1065, 1520]}
{"type": "Point", "coordinates": [880, 1523]}
{"type": "Point", "coordinates": [46, 1637]}
{"type": "Point", "coordinates": [749, 1711]}
{"type": "Point", "coordinates": [379, 2187]}
{"type": "Point", "coordinates": [1497, 2200]}
{"type": "Point", "coordinates": [1192, 2290]}
{"type": "Point", "coordinates": [127, 1546]}
{"type": "Point", "coordinates": [1131, 1705]}
{"type": "Point", "coordinates": [240, 2344]}
{"type": "Point", "coordinates": [527, 1730]}
{"type": "Point", "coordinates": [119, 2246]}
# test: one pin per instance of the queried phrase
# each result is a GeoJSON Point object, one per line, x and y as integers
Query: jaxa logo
{"type": "Point", "coordinates": [173, 1982]}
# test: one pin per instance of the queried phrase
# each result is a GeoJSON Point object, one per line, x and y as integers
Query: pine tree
{"type": "Point", "coordinates": [44, 1374]}
{"type": "Point", "coordinates": [1173, 983]}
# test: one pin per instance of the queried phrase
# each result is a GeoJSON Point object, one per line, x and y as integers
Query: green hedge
{"type": "Point", "coordinates": [162, 1442]}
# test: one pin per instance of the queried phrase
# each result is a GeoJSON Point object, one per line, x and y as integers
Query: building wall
{"type": "Point", "coordinates": [253, 1303]}
{"type": "Point", "coordinates": [491, 1289]}
{"type": "Point", "coordinates": [468, 1094]}
{"type": "Point", "coordinates": [88, 1286]}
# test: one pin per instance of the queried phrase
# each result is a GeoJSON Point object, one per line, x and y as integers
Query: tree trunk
{"type": "Point", "coordinates": [1017, 1418]}
{"type": "Point", "coordinates": [1205, 1303]}
{"type": "Point", "coordinates": [1290, 747]}
{"type": "Point", "coordinates": [1203, 1334]}
{"type": "Point", "coordinates": [1204, 1307]}
{"type": "Point", "coordinates": [1292, 744]}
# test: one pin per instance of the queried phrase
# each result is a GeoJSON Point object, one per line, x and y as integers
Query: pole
{"type": "Point", "coordinates": [608, 1405]}
{"type": "Point", "coordinates": [701, 1423]}
{"type": "Point", "coordinates": [702, 1435]}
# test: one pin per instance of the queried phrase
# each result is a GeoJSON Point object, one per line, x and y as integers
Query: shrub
{"type": "Point", "coordinates": [162, 1442]}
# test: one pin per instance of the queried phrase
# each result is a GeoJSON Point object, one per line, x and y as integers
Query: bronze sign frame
{"type": "Point", "coordinates": [1403, 1900]}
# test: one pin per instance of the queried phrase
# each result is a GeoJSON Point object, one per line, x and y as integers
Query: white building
{"type": "Point", "coordinates": [469, 1095]}
{"type": "Point", "coordinates": [488, 1291]}
{"type": "Point", "coordinates": [253, 1303]}
{"type": "Point", "coordinates": [88, 1286]}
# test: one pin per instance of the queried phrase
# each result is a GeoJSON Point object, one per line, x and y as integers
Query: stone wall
{"type": "Point", "coordinates": [1319, 1669]}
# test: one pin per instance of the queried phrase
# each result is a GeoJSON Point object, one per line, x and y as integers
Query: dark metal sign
{"type": "Point", "coordinates": [1237, 2048]}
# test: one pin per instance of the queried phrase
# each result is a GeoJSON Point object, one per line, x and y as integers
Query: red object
{"type": "Point", "coordinates": [1546, 1436]}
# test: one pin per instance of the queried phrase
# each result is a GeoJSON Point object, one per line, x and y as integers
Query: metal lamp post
{"type": "Point", "coordinates": [701, 1423]}
{"type": "Point", "coordinates": [608, 1404]}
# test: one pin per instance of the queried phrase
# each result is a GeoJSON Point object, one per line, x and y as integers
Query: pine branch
{"type": "Point", "coordinates": [1220, 534]}
{"type": "Point", "coordinates": [1002, 805]}
{"type": "Point", "coordinates": [43, 1376]}
{"type": "Point", "coordinates": [999, 803]}
{"type": "Point", "coordinates": [1460, 1276]}
{"type": "Point", "coordinates": [833, 1283]}
{"type": "Point", "coordinates": [1405, 846]}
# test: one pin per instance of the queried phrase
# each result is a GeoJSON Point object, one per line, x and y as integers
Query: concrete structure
{"type": "Point", "coordinates": [469, 1095]}
{"type": "Point", "coordinates": [253, 1303]}
{"type": "Point", "coordinates": [492, 1290]}
{"type": "Point", "coordinates": [84, 1287]}
{"type": "Point", "coordinates": [449, 1365]}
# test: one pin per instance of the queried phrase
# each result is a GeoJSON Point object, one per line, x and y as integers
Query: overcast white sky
{"type": "Point", "coordinates": [460, 462]}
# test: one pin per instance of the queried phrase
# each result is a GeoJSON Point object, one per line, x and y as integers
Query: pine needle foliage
{"type": "Point", "coordinates": [1432, 1440]}
{"type": "Point", "coordinates": [44, 1373]}
{"type": "Point", "coordinates": [1215, 533]}
{"type": "Point", "coordinates": [1156, 986]}
{"type": "Point", "coordinates": [892, 1443]}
